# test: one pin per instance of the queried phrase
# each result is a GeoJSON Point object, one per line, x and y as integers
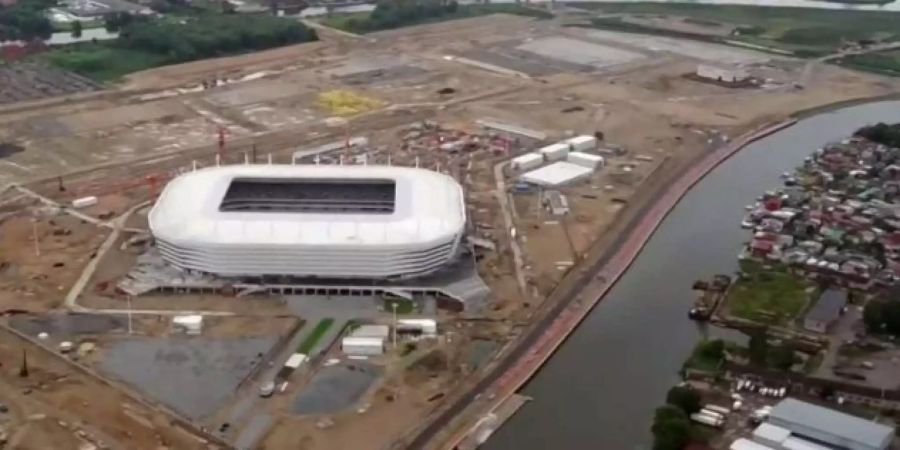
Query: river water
{"type": "Point", "coordinates": [598, 392]}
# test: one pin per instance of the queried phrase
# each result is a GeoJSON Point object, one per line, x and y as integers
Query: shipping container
{"type": "Point", "coordinates": [84, 202]}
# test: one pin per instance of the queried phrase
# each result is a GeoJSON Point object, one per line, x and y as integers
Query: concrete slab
{"type": "Point", "coordinates": [336, 388]}
{"type": "Point", "coordinates": [579, 52]}
{"type": "Point", "coordinates": [194, 376]}
{"type": "Point", "coordinates": [68, 324]}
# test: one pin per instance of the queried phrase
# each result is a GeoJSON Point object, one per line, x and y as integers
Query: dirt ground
{"type": "Point", "coordinates": [57, 407]}
{"type": "Point", "coordinates": [122, 145]}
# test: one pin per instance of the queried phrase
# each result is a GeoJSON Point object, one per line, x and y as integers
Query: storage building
{"type": "Point", "coordinates": [527, 161]}
{"type": "Point", "coordinates": [826, 311]}
{"type": "Point", "coordinates": [427, 327]}
{"type": "Point", "coordinates": [555, 152]}
{"type": "Point", "coordinates": [589, 160]}
{"type": "Point", "coordinates": [833, 428]}
{"type": "Point", "coordinates": [582, 143]}
{"type": "Point", "coordinates": [362, 346]}
{"type": "Point", "coordinates": [557, 174]}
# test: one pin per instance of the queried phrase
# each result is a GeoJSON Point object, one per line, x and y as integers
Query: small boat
{"type": "Point", "coordinates": [747, 224]}
{"type": "Point", "coordinates": [749, 207]}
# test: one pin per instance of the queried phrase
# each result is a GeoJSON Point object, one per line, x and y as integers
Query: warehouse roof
{"type": "Point", "coordinates": [802, 418]}
{"type": "Point", "coordinates": [828, 307]}
{"type": "Point", "coordinates": [557, 174]}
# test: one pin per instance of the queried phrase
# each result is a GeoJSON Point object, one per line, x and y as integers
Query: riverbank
{"type": "Point", "coordinates": [593, 293]}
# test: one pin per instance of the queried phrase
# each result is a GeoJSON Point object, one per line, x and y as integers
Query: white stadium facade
{"type": "Point", "coordinates": [310, 221]}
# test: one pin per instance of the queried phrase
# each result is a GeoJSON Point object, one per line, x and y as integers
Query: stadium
{"type": "Point", "coordinates": [310, 221]}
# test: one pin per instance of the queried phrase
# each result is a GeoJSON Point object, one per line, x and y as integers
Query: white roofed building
{"type": "Point", "coordinates": [310, 221]}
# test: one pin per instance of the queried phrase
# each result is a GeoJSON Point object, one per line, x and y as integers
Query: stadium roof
{"type": "Point", "coordinates": [809, 419]}
{"type": "Point", "coordinates": [309, 205]}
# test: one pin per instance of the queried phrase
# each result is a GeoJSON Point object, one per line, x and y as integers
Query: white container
{"type": "Point", "coordinates": [362, 346]}
{"type": "Point", "coordinates": [295, 360]}
{"type": "Point", "coordinates": [582, 143]}
{"type": "Point", "coordinates": [588, 160]}
{"type": "Point", "coordinates": [427, 326]}
{"type": "Point", "coordinates": [84, 202]}
{"type": "Point", "coordinates": [712, 421]}
{"type": "Point", "coordinates": [555, 152]}
{"type": "Point", "coordinates": [527, 161]}
{"type": "Point", "coordinates": [717, 408]}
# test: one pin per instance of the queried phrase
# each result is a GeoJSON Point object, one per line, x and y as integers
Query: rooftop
{"type": "Point", "coordinates": [829, 306]}
{"type": "Point", "coordinates": [310, 205]}
{"type": "Point", "coordinates": [798, 415]}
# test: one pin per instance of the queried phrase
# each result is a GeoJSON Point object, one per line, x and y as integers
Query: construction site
{"type": "Point", "coordinates": [484, 100]}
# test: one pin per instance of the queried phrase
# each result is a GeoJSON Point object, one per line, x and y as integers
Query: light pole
{"type": "Point", "coordinates": [394, 309]}
{"type": "Point", "coordinates": [129, 314]}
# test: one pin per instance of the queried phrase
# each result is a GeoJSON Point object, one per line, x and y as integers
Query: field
{"type": "Point", "coordinates": [101, 62]}
{"type": "Point", "coordinates": [767, 296]}
{"type": "Point", "coordinates": [806, 31]}
{"type": "Point", "coordinates": [884, 62]}
{"type": "Point", "coordinates": [315, 336]}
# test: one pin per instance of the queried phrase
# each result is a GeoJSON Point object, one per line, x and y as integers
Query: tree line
{"type": "Point", "coordinates": [25, 21]}
{"type": "Point", "coordinates": [881, 133]}
{"type": "Point", "coordinates": [208, 35]}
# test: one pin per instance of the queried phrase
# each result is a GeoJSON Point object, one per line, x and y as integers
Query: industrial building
{"type": "Point", "coordinates": [826, 311]}
{"type": "Point", "coordinates": [310, 221]}
{"type": "Point", "coordinates": [557, 174]}
{"type": "Point", "coordinates": [794, 424]}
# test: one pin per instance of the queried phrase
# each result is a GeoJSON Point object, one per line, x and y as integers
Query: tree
{"type": "Point", "coordinates": [76, 29]}
{"type": "Point", "coordinates": [671, 428]}
{"type": "Point", "coordinates": [882, 317]}
{"type": "Point", "coordinates": [783, 357]}
{"type": "Point", "coordinates": [713, 350]}
{"type": "Point", "coordinates": [759, 348]}
{"type": "Point", "coordinates": [685, 398]}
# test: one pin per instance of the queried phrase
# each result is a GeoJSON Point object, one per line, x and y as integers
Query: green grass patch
{"type": "Point", "coordinates": [767, 295]}
{"type": "Point", "coordinates": [101, 62]}
{"type": "Point", "coordinates": [887, 62]}
{"type": "Point", "coordinates": [807, 31]}
{"type": "Point", "coordinates": [315, 336]}
{"type": "Point", "coordinates": [404, 306]}
{"type": "Point", "coordinates": [366, 22]}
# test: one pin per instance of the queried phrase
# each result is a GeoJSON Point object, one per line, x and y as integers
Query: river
{"type": "Point", "coordinates": [598, 392]}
